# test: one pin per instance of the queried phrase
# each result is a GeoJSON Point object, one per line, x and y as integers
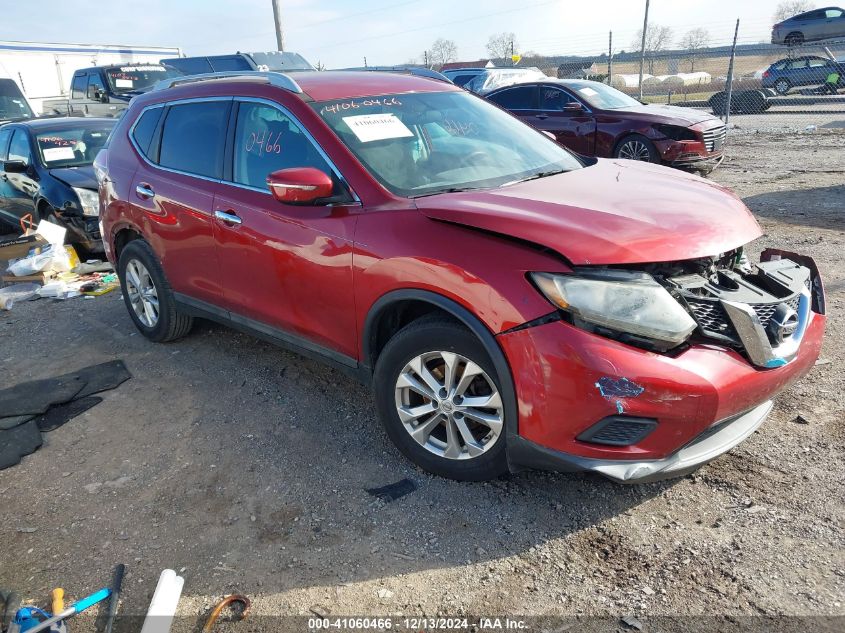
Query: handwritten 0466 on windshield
{"type": "Point", "coordinates": [263, 144]}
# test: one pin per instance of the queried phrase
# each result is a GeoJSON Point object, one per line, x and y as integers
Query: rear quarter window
{"type": "Point", "coordinates": [145, 128]}
{"type": "Point", "coordinates": [193, 138]}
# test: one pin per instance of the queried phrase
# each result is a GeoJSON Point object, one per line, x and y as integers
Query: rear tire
{"type": "Point", "coordinates": [794, 39]}
{"type": "Point", "coordinates": [442, 432]}
{"type": "Point", "coordinates": [782, 86]}
{"type": "Point", "coordinates": [148, 296]}
{"type": "Point", "coordinates": [637, 147]}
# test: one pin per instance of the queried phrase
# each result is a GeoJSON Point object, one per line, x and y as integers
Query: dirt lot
{"type": "Point", "coordinates": [246, 468]}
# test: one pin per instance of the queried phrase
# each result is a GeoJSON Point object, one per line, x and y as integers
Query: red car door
{"type": "Point", "coordinates": [567, 118]}
{"type": "Point", "coordinates": [286, 269]}
{"type": "Point", "coordinates": [173, 198]}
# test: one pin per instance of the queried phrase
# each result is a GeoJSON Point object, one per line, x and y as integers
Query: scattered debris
{"type": "Point", "coordinates": [225, 602]}
{"type": "Point", "coordinates": [385, 594]}
{"type": "Point", "coordinates": [800, 419]}
{"type": "Point", "coordinates": [632, 623]}
{"type": "Point", "coordinates": [392, 492]}
{"type": "Point", "coordinates": [319, 611]}
{"type": "Point", "coordinates": [823, 361]}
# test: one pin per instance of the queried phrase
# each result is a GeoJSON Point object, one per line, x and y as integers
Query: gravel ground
{"type": "Point", "coordinates": [246, 468]}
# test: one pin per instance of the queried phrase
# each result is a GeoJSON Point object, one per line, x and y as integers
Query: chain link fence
{"type": "Point", "coordinates": [773, 86]}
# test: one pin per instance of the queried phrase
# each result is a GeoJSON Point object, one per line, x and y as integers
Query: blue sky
{"type": "Point", "coordinates": [341, 33]}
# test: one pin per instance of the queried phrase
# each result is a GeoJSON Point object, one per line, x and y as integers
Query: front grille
{"type": "Point", "coordinates": [714, 136]}
{"type": "Point", "coordinates": [712, 318]}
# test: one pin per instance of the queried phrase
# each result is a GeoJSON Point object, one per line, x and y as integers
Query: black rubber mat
{"type": "Point", "coordinates": [19, 442]}
{"type": "Point", "coordinates": [63, 413]}
{"type": "Point", "coordinates": [392, 492]}
{"type": "Point", "coordinates": [35, 397]}
{"type": "Point", "coordinates": [13, 421]}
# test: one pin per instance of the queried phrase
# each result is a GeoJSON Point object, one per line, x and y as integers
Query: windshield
{"type": "Point", "coordinates": [136, 78]}
{"type": "Point", "coordinates": [603, 97]}
{"type": "Point", "coordinates": [281, 61]}
{"type": "Point", "coordinates": [74, 146]}
{"type": "Point", "coordinates": [13, 107]}
{"type": "Point", "coordinates": [425, 143]}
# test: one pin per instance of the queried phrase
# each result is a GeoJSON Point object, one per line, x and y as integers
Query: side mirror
{"type": "Point", "coordinates": [299, 185]}
{"type": "Point", "coordinates": [573, 106]}
{"type": "Point", "coordinates": [15, 167]}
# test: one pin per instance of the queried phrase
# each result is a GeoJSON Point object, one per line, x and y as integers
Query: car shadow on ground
{"type": "Point", "coordinates": [790, 206]}
{"type": "Point", "coordinates": [248, 467]}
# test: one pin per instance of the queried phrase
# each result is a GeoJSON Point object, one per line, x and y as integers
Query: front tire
{"type": "Point", "coordinates": [637, 147]}
{"type": "Point", "coordinates": [148, 296]}
{"type": "Point", "coordinates": [441, 401]}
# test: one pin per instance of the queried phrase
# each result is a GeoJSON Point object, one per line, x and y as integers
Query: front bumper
{"type": "Point", "coordinates": [568, 380]}
{"type": "Point", "coordinates": [707, 447]}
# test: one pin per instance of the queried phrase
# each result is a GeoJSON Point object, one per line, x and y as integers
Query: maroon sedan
{"type": "Point", "coordinates": [594, 119]}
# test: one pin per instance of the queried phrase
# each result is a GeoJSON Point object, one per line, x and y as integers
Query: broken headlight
{"type": "Point", "coordinates": [622, 301]}
{"type": "Point", "coordinates": [89, 201]}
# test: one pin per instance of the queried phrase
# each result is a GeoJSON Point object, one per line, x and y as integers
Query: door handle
{"type": "Point", "coordinates": [227, 217]}
{"type": "Point", "coordinates": [144, 191]}
{"type": "Point", "coordinates": [542, 116]}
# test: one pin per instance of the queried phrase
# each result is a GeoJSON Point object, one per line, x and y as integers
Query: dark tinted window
{"type": "Point", "coordinates": [189, 65]}
{"type": "Point", "coordinates": [553, 99]}
{"type": "Point", "coordinates": [78, 86]}
{"type": "Point", "coordinates": [267, 140]}
{"type": "Point", "coordinates": [229, 62]}
{"type": "Point", "coordinates": [145, 128]}
{"type": "Point", "coordinates": [193, 138]}
{"type": "Point", "coordinates": [19, 148]}
{"type": "Point", "coordinates": [5, 135]}
{"type": "Point", "coordinates": [95, 86]}
{"type": "Point", "coordinates": [460, 80]}
{"type": "Point", "coordinates": [521, 98]}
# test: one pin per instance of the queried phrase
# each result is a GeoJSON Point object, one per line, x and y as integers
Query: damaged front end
{"type": "Point", "coordinates": [760, 310]}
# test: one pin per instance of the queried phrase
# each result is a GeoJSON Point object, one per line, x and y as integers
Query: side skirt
{"type": "Point", "coordinates": [273, 335]}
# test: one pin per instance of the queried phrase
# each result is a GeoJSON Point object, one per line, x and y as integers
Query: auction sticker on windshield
{"type": "Point", "coordinates": [377, 127]}
{"type": "Point", "coordinates": [53, 154]}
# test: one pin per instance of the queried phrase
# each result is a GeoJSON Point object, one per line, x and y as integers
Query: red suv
{"type": "Point", "coordinates": [512, 304]}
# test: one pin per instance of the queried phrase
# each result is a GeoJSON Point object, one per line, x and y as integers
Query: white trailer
{"type": "Point", "coordinates": [43, 71]}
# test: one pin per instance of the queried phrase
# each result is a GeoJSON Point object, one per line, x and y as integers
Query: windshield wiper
{"type": "Point", "coordinates": [542, 174]}
{"type": "Point", "coordinates": [449, 190]}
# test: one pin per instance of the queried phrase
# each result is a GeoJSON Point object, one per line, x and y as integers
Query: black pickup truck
{"type": "Point", "coordinates": [105, 91]}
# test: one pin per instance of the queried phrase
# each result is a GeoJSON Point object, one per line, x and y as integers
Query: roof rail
{"type": "Point", "coordinates": [280, 80]}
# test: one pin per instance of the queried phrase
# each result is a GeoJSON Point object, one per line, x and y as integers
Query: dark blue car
{"type": "Point", "coordinates": [811, 26]}
{"type": "Point", "coordinates": [809, 70]}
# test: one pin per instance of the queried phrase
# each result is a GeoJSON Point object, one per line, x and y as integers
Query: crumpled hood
{"type": "Point", "coordinates": [669, 114]}
{"type": "Point", "coordinates": [82, 177]}
{"type": "Point", "coordinates": [615, 212]}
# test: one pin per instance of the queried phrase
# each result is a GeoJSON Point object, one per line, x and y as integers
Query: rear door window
{"type": "Point", "coordinates": [521, 98]}
{"type": "Point", "coordinates": [193, 138]}
{"type": "Point", "coordinates": [78, 86]}
{"type": "Point", "coordinates": [266, 140]}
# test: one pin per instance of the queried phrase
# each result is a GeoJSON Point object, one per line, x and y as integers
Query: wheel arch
{"type": "Point", "coordinates": [122, 236]}
{"type": "Point", "coordinates": [426, 302]}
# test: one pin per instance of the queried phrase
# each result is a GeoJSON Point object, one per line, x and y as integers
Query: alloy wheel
{"type": "Point", "coordinates": [449, 405]}
{"type": "Point", "coordinates": [634, 150]}
{"type": "Point", "coordinates": [143, 296]}
{"type": "Point", "coordinates": [782, 87]}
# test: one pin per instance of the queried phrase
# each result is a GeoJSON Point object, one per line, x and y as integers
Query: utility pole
{"type": "Point", "coordinates": [610, 59]}
{"type": "Point", "coordinates": [512, 54]}
{"type": "Point", "coordinates": [731, 77]}
{"type": "Point", "coordinates": [425, 57]}
{"type": "Point", "coordinates": [365, 62]}
{"type": "Point", "coordinates": [277, 19]}
{"type": "Point", "coordinates": [642, 48]}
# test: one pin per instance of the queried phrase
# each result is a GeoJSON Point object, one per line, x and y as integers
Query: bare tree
{"type": "Point", "coordinates": [788, 8]}
{"type": "Point", "coordinates": [693, 42]}
{"type": "Point", "coordinates": [657, 38]}
{"type": "Point", "coordinates": [502, 45]}
{"type": "Point", "coordinates": [442, 52]}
